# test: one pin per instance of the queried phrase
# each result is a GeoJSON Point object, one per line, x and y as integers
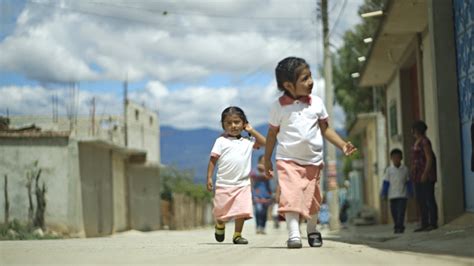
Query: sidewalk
{"type": "Point", "coordinates": [455, 238]}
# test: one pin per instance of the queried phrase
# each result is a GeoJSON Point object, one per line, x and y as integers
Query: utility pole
{"type": "Point", "coordinates": [125, 107]}
{"type": "Point", "coordinates": [93, 116]}
{"type": "Point", "coordinates": [331, 173]}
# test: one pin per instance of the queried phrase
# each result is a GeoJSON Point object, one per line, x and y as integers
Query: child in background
{"type": "Point", "coordinates": [261, 195]}
{"type": "Point", "coordinates": [299, 122]}
{"type": "Point", "coordinates": [275, 216]}
{"type": "Point", "coordinates": [395, 185]}
{"type": "Point", "coordinates": [324, 214]}
{"type": "Point", "coordinates": [233, 155]}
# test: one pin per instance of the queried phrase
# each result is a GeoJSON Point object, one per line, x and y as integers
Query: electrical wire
{"type": "Point", "coordinates": [341, 11]}
{"type": "Point", "coordinates": [155, 23]}
{"type": "Point", "coordinates": [187, 13]}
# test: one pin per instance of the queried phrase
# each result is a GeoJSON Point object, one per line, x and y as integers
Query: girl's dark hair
{"type": "Point", "coordinates": [420, 127]}
{"type": "Point", "coordinates": [233, 110]}
{"type": "Point", "coordinates": [288, 70]}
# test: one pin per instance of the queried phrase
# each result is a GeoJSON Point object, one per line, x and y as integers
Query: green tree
{"type": "Point", "coordinates": [355, 100]}
{"type": "Point", "coordinates": [177, 181]}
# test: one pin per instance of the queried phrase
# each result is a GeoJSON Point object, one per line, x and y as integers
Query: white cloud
{"type": "Point", "coordinates": [100, 40]}
{"type": "Point", "coordinates": [191, 107]}
{"type": "Point", "coordinates": [37, 100]}
{"type": "Point", "coordinates": [90, 40]}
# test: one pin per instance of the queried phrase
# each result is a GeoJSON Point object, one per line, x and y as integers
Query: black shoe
{"type": "Point", "coordinates": [315, 239]}
{"type": "Point", "coordinates": [240, 240]}
{"type": "Point", "coordinates": [219, 234]}
{"type": "Point", "coordinates": [431, 227]}
{"type": "Point", "coordinates": [420, 229]}
{"type": "Point", "coordinates": [398, 231]}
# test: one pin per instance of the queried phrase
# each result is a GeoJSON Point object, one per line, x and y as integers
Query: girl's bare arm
{"type": "Point", "coordinates": [260, 139]}
{"type": "Point", "coordinates": [331, 135]}
{"type": "Point", "coordinates": [210, 171]}
{"type": "Point", "coordinates": [270, 145]}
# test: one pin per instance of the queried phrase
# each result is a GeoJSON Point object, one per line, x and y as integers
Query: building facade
{"type": "Point", "coordinates": [99, 180]}
{"type": "Point", "coordinates": [413, 59]}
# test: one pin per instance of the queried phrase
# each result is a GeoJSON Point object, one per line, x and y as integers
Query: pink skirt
{"type": "Point", "coordinates": [233, 203]}
{"type": "Point", "coordinates": [300, 188]}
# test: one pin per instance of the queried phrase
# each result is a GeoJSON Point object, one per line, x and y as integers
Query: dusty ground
{"type": "Point", "coordinates": [199, 247]}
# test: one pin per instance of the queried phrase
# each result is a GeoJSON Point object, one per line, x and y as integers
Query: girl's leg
{"type": "Point", "coordinates": [220, 224]}
{"type": "Point", "coordinates": [219, 233]}
{"type": "Point", "coordinates": [314, 236]}
{"type": "Point", "coordinates": [239, 225]}
{"type": "Point", "coordinates": [312, 224]}
{"type": "Point", "coordinates": [293, 225]}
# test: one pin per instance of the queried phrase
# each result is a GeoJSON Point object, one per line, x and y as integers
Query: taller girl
{"type": "Point", "coordinates": [233, 155]}
{"type": "Point", "coordinates": [299, 122]}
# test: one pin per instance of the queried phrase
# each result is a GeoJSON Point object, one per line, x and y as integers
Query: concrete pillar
{"type": "Point", "coordinates": [441, 28]}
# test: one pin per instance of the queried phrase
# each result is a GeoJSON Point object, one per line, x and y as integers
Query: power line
{"type": "Point", "coordinates": [187, 13]}
{"type": "Point", "coordinates": [341, 11]}
{"type": "Point", "coordinates": [141, 21]}
{"type": "Point", "coordinates": [262, 66]}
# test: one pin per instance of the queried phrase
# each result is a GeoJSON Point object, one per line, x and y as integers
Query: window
{"type": "Point", "coordinates": [151, 120]}
{"type": "Point", "coordinates": [137, 115]}
{"type": "Point", "coordinates": [393, 119]}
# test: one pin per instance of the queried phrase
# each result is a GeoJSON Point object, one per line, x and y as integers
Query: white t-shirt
{"type": "Point", "coordinates": [299, 137]}
{"type": "Point", "coordinates": [397, 178]}
{"type": "Point", "coordinates": [234, 160]}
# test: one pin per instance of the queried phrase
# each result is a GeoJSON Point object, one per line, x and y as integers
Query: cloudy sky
{"type": "Point", "coordinates": [186, 59]}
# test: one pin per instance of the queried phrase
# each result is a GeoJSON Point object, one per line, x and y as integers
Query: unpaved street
{"type": "Point", "coordinates": [198, 247]}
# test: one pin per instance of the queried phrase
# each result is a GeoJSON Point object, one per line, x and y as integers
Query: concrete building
{"type": "Point", "coordinates": [413, 58]}
{"type": "Point", "coordinates": [138, 128]}
{"type": "Point", "coordinates": [370, 129]}
{"type": "Point", "coordinates": [95, 184]}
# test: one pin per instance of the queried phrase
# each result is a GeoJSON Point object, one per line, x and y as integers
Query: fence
{"type": "Point", "coordinates": [184, 212]}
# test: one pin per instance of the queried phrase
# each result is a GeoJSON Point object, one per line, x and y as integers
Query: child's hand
{"type": "Point", "coordinates": [209, 185]}
{"type": "Point", "coordinates": [248, 127]}
{"type": "Point", "coordinates": [348, 148]}
{"type": "Point", "coordinates": [268, 169]}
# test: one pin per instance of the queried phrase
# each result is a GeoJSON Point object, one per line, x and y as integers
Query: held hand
{"type": "Point", "coordinates": [349, 148]}
{"type": "Point", "coordinates": [209, 185]}
{"type": "Point", "coordinates": [268, 169]}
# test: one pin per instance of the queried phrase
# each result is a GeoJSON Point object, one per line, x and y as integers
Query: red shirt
{"type": "Point", "coordinates": [418, 162]}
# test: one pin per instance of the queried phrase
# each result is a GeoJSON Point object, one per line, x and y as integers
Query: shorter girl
{"type": "Point", "coordinates": [233, 155]}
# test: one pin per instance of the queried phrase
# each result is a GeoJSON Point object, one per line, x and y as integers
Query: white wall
{"type": "Point", "coordinates": [17, 156]}
{"type": "Point", "coordinates": [144, 197]}
{"type": "Point", "coordinates": [143, 131]}
{"type": "Point", "coordinates": [119, 193]}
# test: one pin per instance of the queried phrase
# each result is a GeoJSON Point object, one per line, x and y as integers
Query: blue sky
{"type": "Point", "coordinates": [185, 59]}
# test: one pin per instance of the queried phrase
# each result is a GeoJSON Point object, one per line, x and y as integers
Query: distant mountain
{"type": "Point", "coordinates": [190, 149]}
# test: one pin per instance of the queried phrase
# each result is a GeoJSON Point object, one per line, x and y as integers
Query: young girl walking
{"type": "Point", "coordinates": [299, 122]}
{"type": "Point", "coordinates": [232, 153]}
